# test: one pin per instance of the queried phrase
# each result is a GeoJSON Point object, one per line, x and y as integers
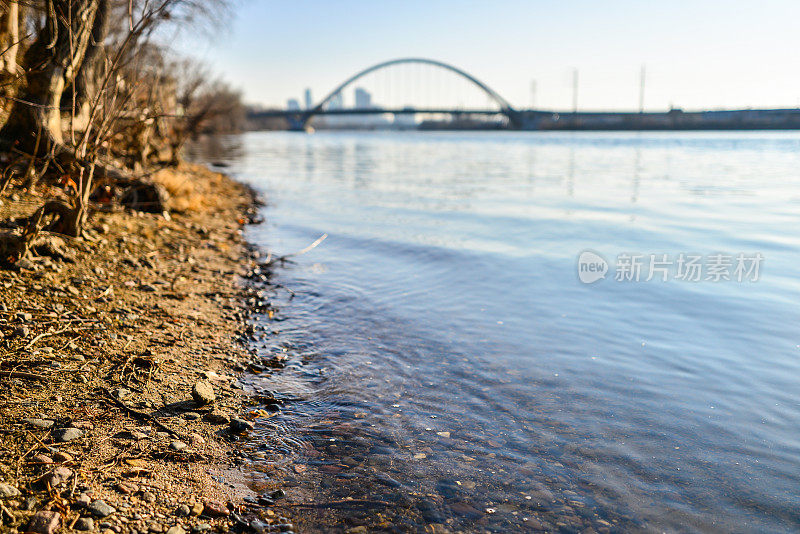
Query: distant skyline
{"type": "Point", "coordinates": [700, 54]}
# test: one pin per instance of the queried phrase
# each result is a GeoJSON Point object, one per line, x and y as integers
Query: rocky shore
{"type": "Point", "coordinates": [119, 353]}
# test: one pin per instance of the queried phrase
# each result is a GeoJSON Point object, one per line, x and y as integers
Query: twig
{"type": "Point", "coordinates": [19, 374]}
{"type": "Point", "coordinates": [141, 415]}
{"type": "Point", "coordinates": [310, 247]}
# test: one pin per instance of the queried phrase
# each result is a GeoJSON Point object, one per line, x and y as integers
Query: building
{"type": "Point", "coordinates": [309, 102]}
{"type": "Point", "coordinates": [292, 105]}
{"type": "Point", "coordinates": [363, 98]}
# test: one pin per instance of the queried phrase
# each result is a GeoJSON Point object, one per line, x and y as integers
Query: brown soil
{"type": "Point", "coordinates": [111, 341]}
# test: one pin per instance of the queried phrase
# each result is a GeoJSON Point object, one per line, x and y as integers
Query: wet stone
{"type": "Point", "coordinates": [238, 425]}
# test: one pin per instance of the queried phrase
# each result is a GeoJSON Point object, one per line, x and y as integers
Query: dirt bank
{"type": "Point", "coordinates": [102, 342]}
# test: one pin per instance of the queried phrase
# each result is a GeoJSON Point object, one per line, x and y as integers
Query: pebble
{"type": "Point", "coordinates": [121, 393]}
{"type": "Point", "coordinates": [203, 393]}
{"type": "Point", "coordinates": [217, 418]}
{"type": "Point", "coordinates": [148, 497]}
{"type": "Point", "coordinates": [41, 459]}
{"type": "Point", "coordinates": [201, 527]}
{"type": "Point", "coordinates": [183, 511]}
{"type": "Point", "coordinates": [238, 425]}
{"type": "Point", "coordinates": [215, 509]}
{"type": "Point", "coordinates": [55, 477]}
{"type": "Point", "coordinates": [191, 416]}
{"type": "Point", "coordinates": [62, 457]}
{"type": "Point", "coordinates": [39, 423]}
{"type": "Point", "coordinates": [7, 490]}
{"type": "Point", "coordinates": [84, 523]}
{"type": "Point", "coordinates": [356, 530]}
{"type": "Point", "coordinates": [178, 446]}
{"type": "Point", "coordinates": [197, 509]}
{"type": "Point", "coordinates": [101, 509]}
{"type": "Point", "coordinates": [67, 434]}
{"type": "Point", "coordinates": [127, 488]}
{"type": "Point", "coordinates": [177, 529]}
{"type": "Point", "coordinates": [45, 522]}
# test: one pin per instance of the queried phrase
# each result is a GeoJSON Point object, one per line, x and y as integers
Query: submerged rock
{"type": "Point", "coordinates": [238, 425]}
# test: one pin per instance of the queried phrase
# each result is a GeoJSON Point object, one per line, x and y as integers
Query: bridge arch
{"type": "Point", "coordinates": [505, 108]}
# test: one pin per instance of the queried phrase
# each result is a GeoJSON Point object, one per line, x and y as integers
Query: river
{"type": "Point", "coordinates": [531, 331]}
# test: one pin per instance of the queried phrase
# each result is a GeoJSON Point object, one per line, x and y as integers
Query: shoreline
{"type": "Point", "coordinates": [110, 355]}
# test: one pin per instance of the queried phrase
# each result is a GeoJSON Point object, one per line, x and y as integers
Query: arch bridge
{"type": "Point", "coordinates": [299, 119]}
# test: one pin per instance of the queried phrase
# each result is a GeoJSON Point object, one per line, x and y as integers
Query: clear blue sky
{"type": "Point", "coordinates": [699, 54]}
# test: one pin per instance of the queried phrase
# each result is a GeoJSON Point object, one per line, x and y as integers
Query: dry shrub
{"type": "Point", "coordinates": [191, 187]}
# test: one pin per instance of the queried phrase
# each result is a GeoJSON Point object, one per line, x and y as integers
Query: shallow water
{"type": "Point", "coordinates": [447, 366]}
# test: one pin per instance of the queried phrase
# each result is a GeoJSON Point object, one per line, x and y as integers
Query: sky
{"type": "Point", "coordinates": [700, 54]}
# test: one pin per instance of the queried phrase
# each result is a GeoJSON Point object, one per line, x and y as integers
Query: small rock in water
{"type": "Point", "coordinates": [7, 490]}
{"type": "Point", "coordinates": [203, 393]}
{"type": "Point", "coordinates": [67, 434]}
{"type": "Point", "coordinates": [238, 425]}
{"type": "Point", "coordinates": [101, 509]}
{"type": "Point", "coordinates": [84, 523]}
{"type": "Point", "coordinates": [45, 522]}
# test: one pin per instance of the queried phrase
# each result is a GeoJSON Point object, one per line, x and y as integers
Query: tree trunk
{"type": "Point", "coordinates": [91, 72]}
{"type": "Point", "coordinates": [52, 62]}
{"type": "Point", "coordinates": [9, 40]}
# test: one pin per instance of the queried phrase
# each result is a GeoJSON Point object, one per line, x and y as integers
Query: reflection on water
{"type": "Point", "coordinates": [448, 368]}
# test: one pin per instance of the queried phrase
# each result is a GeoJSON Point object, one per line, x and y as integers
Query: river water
{"type": "Point", "coordinates": [448, 368]}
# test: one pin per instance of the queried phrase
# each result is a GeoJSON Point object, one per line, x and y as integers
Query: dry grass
{"type": "Point", "coordinates": [187, 192]}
